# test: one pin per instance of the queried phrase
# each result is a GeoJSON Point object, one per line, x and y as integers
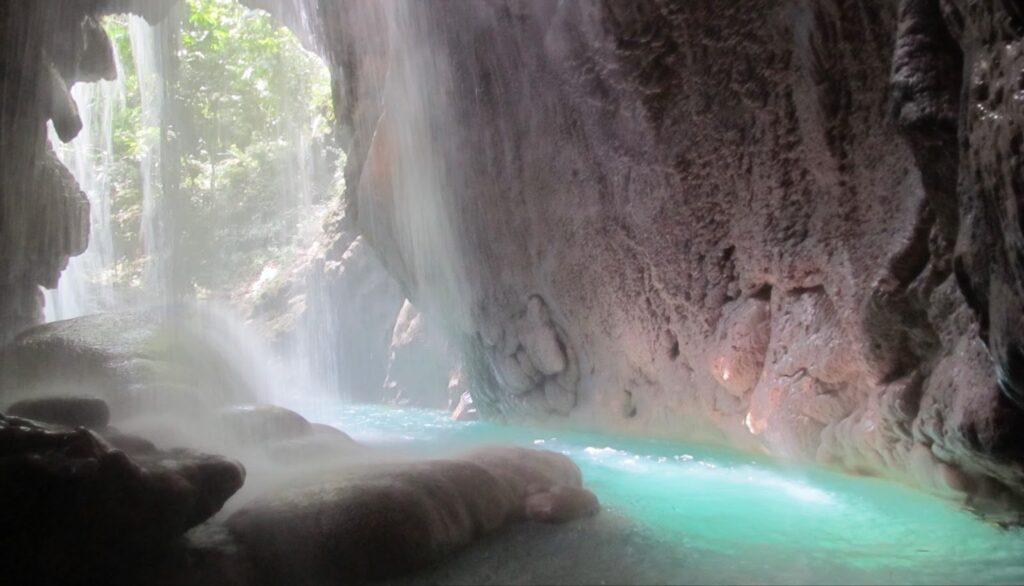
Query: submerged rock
{"type": "Point", "coordinates": [69, 411]}
{"type": "Point", "coordinates": [74, 505]}
{"type": "Point", "coordinates": [380, 521]}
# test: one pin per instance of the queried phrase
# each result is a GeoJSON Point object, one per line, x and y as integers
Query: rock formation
{"type": "Point", "coordinates": [44, 217]}
{"type": "Point", "coordinates": [76, 507]}
{"type": "Point", "coordinates": [385, 521]}
{"type": "Point", "coordinates": [421, 366]}
{"type": "Point", "coordinates": [134, 360]}
{"type": "Point", "coordinates": [785, 226]}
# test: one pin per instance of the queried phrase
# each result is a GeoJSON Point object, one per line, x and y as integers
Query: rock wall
{"type": "Point", "coordinates": [732, 222]}
{"type": "Point", "coordinates": [785, 226]}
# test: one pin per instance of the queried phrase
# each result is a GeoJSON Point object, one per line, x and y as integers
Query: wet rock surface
{"type": "Point", "coordinates": [76, 506]}
{"type": "Point", "coordinates": [383, 521]}
{"type": "Point", "coordinates": [752, 225]}
{"type": "Point", "coordinates": [136, 361]}
{"type": "Point", "coordinates": [560, 504]}
{"type": "Point", "coordinates": [263, 423]}
{"type": "Point", "coordinates": [66, 411]}
{"type": "Point", "coordinates": [599, 550]}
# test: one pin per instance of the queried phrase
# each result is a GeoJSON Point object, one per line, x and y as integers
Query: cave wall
{"type": "Point", "coordinates": [731, 222]}
{"type": "Point", "coordinates": [789, 227]}
{"type": "Point", "coordinates": [45, 48]}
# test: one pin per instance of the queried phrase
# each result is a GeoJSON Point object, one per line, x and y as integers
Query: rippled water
{"type": "Point", "coordinates": [727, 518]}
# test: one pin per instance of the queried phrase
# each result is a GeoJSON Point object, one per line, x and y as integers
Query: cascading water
{"type": "Point", "coordinates": [149, 53]}
{"type": "Point", "coordinates": [85, 285]}
{"type": "Point", "coordinates": [412, 140]}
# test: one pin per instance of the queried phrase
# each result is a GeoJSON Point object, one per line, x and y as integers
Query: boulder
{"type": "Point", "coordinates": [69, 411]}
{"type": "Point", "coordinates": [137, 361]}
{"type": "Point", "coordinates": [82, 505]}
{"type": "Point", "coordinates": [128, 443]}
{"type": "Point", "coordinates": [311, 448]}
{"type": "Point", "coordinates": [381, 521]}
{"type": "Point", "coordinates": [324, 429]}
{"type": "Point", "coordinates": [322, 443]}
{"type": "Point", "coordinates": [264, 423]}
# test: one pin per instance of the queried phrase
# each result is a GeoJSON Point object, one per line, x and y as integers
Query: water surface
{"type": "Point", "coordinates": [723, 517]}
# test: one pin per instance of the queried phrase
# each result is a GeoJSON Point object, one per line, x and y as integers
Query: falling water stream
{"type": "Point", "coordinates": [707, 515]}
{"type": "Point", "coordinates": [83, 287]}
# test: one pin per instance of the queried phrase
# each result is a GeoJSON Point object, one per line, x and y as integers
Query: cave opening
{"type": "Point", "coordinates": [211, 154]}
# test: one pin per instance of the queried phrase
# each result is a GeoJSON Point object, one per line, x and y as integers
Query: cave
{"type": "Point", "coordinates": [511, 291]}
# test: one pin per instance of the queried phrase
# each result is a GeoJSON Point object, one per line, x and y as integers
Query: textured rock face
{"type": "Point", "coordinates": [355, 333]}
{"type": "Point", "coordinates": [730, 223]}
{"type": "Point", "coordinates": [989, 261]}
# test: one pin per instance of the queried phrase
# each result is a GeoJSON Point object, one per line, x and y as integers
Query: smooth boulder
{"type": "Point", "coordinates": [70, 411]}
{"type": "Point", "coordinates": [561, 504]}
{"type": "Point", "coordinates": [264, 423]}
{"type": "Point", "coordinates": [382, 521]}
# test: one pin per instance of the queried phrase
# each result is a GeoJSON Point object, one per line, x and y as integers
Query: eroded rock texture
{"type": "Point", "coordinates": [731, 222]}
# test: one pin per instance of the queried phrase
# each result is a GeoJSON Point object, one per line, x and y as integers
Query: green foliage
{"type": "Point", "coordinates": [254, 109]}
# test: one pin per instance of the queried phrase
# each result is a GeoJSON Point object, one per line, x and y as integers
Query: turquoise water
{"type": "Point", "coordinates": [732, 518]}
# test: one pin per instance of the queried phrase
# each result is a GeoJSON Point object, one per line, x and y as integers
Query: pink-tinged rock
{"type": "Point", "coordinates": [560, 504]}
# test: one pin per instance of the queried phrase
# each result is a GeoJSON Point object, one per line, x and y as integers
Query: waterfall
{"type": "Point", "coordinates": [303, 189]}
{"type": "Point", "coordinates": [85, 285]}
{"type": "Point", "coordinates": [415, 144]}
{"type": "Point", "coordinates": [147, 50]}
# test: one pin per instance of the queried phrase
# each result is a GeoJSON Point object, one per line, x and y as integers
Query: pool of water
{"type": "Point", "coordinates": [733, 518]}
